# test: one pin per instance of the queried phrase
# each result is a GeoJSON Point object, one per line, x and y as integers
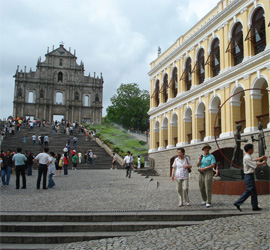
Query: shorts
{"type": "Point", "coordinates": [114, 163]}
{"type": "Point", "coordinates": [58, 167]}
{"type": "Point", "coordinates": [75, 165]}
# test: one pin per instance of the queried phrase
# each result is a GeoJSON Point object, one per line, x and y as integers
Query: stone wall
{"type": "Point", "coordinates": [162, 158]}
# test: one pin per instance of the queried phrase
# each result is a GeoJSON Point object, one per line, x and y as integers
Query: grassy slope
{"type": "Point", "coordinates": [121, 138]}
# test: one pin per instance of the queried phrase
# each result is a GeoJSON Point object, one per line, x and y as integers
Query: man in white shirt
{"type": "Point", "coordinates": [43, 160]}
{"type": "Point", "coordinates": [34, 139]}
{"type": "Point", "coordinates": [128, 162]}
{"type": "Point", "coordinates": [249, 169]}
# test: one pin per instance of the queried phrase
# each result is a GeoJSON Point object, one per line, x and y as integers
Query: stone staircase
{"type": "Point", "coordinates": [33, 230]}
{"type": "Point", "coordinates": [56, 144]}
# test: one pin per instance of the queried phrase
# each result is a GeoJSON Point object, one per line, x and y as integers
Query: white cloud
{"type": "Point", "coordinates": [116, 37]}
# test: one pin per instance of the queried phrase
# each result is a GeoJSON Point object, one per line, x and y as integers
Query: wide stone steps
{"type": "Point", "coordinates": [56, 144]}
{"type": "Point", "coordinates": [38, 229]}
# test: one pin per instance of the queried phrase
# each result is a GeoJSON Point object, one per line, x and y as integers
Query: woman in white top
{"type": "Point", "coordinates": [180, 173]}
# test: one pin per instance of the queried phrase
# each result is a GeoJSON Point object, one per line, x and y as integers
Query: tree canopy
{"type": "Point", "coordinates": [129, 107]}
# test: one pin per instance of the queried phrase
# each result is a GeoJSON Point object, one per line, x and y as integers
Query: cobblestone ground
{"type": "Point", "coordinates": [110, 190]}
{"type": "Point", "coordinates": [107, 190]}
{"type": "Point", "coordinates": [243, 232]}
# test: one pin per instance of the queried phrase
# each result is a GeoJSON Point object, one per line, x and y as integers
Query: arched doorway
{"type": "Point", "coordinates": [200, 120]}
{"type": "Point", "coordinates": [164, 129]}
{"type": "Point", "coordinates": [174, 127]}
{"type": "Point", "coordinates": [238, 108]}
{"type": "Point", "coordinates": [188, 125]}
{"type": "Point", "coordinates": [156, 135]}
{"type": "Point", "coordinates": [213, 110]}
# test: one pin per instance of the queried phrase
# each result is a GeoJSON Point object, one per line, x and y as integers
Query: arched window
{"type": "Point", "coordinates": [61, 62]}
{"type": "Point", "coordinates": [59, 98]}
{"type": "Point", "coordinates": [188, 74]}
{"type": "Point", "coordinates": [60, 77]}
{"type": "Point", "coordinates": [76, 97]}
{"type": "Point", "coordinates": [200, 66]}
{"type": "Point", "coordinates": [174, 82]}
{"type": "Point", "coordinates": [258, 31]}
{"type": "Point", "coordinates": [156, 93]}
{"type": "Point", "coordinates": [236, 46]}
{"type": "Point", "coordinates": [215, 57]}
{"type": "Point", "coordinates": [86, 100]}
{"type": "Point", "coordinates": [19, 92]}
{"type": "Point", "coordinates": [165, 88]}
{"type": "Point", "coordinates": [41, 94]}
{"type": "Point", "coordinates": [97, 98]}
{"type": "Point", "coordinates": [30, 97]}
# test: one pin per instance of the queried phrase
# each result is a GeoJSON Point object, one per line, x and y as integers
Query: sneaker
{"type": "Point", "coordinates": [256, 209]}
{"type": "Point", "coordinates": [188, 204]}
{"type": "Point", "coordinates": [203, 202]}
{"type": "Point", "coordinates": [208, 205]}
{"type": "Point", "coordinates": [111, 169]}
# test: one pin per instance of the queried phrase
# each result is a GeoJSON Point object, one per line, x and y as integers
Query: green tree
{"type": "Point", "coordinates": [129, 107]}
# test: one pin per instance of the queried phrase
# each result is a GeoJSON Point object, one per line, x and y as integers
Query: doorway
{"type": "Point", "coordinates": [58, 118]}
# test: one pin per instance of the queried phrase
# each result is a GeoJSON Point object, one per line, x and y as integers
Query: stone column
{"type": "Point", "coordinates": [267, 21]}
{"type": "Point", "coordinates": [170, 131]}
{"type": "Point", "coordinates": [161, 135]}
{"type": "Point", "coordinates": [225, 58]}
{"type": "Point", "coordinates": [181, 87]}
{"type": "Point", "coordinates": [180, 126]}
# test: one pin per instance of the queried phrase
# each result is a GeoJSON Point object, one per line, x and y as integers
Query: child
{"type": "Point", "coordinates": [75, 161]}
{"type": "Point", "coordinates": [51, 170]}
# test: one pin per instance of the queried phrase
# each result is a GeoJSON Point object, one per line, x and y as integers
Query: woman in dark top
{"type": "Point", "coordinates": [29, 161]}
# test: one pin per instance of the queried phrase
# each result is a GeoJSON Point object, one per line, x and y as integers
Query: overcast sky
{"type": "Point", "coordinates": [116, 37]}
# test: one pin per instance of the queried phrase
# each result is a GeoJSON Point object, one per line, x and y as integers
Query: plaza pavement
{"type": "Point", "coordinates": [110, 190]}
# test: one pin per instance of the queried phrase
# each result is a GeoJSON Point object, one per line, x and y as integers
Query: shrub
{"type": "Point", "coordinates": [142, 143]}
{"type": "Point", "coordinates": [116, 149]}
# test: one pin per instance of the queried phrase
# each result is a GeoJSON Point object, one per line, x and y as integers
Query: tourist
{"type": "Point", "coordinates": [46, 140]}
{"type": "Point", "coordinates": [58, 164]}
{"type": "Point", "coordinates": [128, 164]}
{"type": "Point", "coordinates": [206, 163]}
{"type": "Point", "coordinates": [66, 162]}
{"type": "Point", "coordinates": [86, 135]}
{"type": "Point", "coordinates": [249, 169]}
{"type": "Point", "coordinates": [41, 140]}
{"type": "Point", "coordinates": [75, 139]}
{"type": "Point", "coordinates": [139, 161]}
{"type": "Point", "coordinates": [91, 158]}
{"type": "Point", "coordinates": [51, 170]}
{"type": "Point", "coordinates": [34, 139]}
{"type": "Point", "coordinates": [25, 138]}
{"type": "Point", "coordinates": [67, 130]}
{"type": "Point", "coordinates": [29, 163]}
{"type": "Point", "coordinates": [71, 130]}
{"type": "Point", "coordinates": [114, 162]}
{"type": "Point", "coordinates": [7, 167]}
{"type": "Point", "coordinates": [80, 157]}
{"type": "Point", "coordinates": [180, 173]}
{"type": "Point", "coordinates": [68, 140]}
{"type": "Point", "coordinates": [43, 160]}
{"type": "Point", "coordinates": [19, 160]}
{"type": "Point", "coordinates": [75, 161]}
{"type": "Point", "coordinates": [85, 157]}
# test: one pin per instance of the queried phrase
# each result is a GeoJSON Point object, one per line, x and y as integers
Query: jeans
{"type": "Point", "coordinates": [65, 169]}
{"type": "Point", "coordinates": [250, 191]}
{"type": "Point", "coordinates": [42, 171]}
{"type": "Point", "coordinates": [51, 182]}
{"type": "Point", "coordinates": [34, 142]}
{"type": "Point", "coordinates": [92, 161]}
{"type": "Point", "coordinates": [74, 144]}
{"type": "Point", "coordinates": [20, 170]}
{"type": "Point", "coordinates": [24, 139]}
{"type": "Point", "coordinates": [29, 170]}
{"type": "Point", "coordinates": [5, 176]}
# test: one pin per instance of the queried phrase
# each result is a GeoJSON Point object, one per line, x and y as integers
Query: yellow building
{"type": "Point", "coordinates": [226, 52]}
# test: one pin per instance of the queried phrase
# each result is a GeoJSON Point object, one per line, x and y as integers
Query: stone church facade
{"type": "Point", "coordinates": [58, 87]}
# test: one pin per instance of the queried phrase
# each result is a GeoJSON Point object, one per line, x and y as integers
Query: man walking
{"type": "Point", "coordinates": [249, 168]}
{"type": "Point", "coordinates": [75, 139]}
{"type": "Point", "coordinates": [6, 170]}
{"type": "Point", "coordinates": [19, 160]}
{"type": "Point", "coordinates": [43, 160]}
{"type": "Point", "coordinates": [128, 164]}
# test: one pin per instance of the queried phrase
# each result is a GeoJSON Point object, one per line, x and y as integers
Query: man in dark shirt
{"type": "Point", "coordinates": [6, 169]}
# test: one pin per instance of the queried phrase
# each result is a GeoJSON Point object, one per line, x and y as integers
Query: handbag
{"type": "Point", "coordinates": [60, 162]}
{"type": "Point", "coordinates": [189, 170]}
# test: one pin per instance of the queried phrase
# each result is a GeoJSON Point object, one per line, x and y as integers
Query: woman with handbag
{"type": "Point", "coordinates": [180, 173]}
